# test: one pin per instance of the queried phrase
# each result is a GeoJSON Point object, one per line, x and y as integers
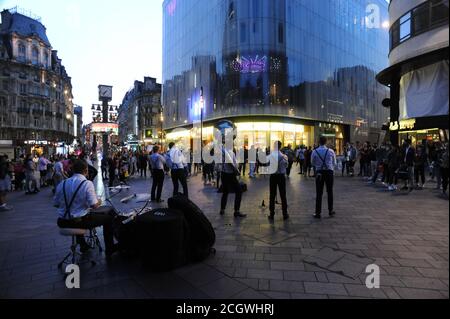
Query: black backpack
{"type": "Point", "coordinates": [202, 234]}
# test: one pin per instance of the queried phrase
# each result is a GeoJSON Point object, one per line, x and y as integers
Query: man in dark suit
{"type": "Point", "coordinates": [408, 155]}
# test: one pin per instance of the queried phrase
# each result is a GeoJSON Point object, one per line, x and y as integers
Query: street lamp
{"type": "Point", "coordinates": [202, 102]}
{"type": "Point", "coordinates": [162, 132]}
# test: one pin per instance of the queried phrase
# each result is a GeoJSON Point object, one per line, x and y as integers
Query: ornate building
{"type": "Point", "coordinates": [140, 114]}
{"type": "Point", "coordinates": [36, 109]}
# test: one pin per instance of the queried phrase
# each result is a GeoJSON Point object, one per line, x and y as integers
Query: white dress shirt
{"type": "Point", "coordinates": [326, 161]}
{"type": "Point", "coordinates": [85, 198]}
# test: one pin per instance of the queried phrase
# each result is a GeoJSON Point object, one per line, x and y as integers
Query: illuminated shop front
{"type": "Point", "coordinates": [262, 134]}
{"type": "Point", "coordinates": [421, 129]}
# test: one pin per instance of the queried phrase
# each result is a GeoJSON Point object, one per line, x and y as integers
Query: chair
{"type": "Point", "coordinates": [92, 240]}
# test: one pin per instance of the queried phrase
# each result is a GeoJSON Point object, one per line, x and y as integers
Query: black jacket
{"type": "Point", "coordinates": [408, 158]}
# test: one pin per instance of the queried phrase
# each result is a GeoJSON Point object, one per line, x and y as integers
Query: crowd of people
{"type": "Point", "coordinates": [406, 167]}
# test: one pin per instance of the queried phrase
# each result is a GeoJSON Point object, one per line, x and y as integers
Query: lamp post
{"type": "Point", "coordinates": [202, 102]}
{"type": "Point", "coordinates": [161, 119]}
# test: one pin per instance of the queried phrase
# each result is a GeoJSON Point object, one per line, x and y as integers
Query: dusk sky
{"type": "Point", "coordinates": [102, 42]}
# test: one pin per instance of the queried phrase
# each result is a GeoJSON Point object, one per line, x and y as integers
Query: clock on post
{"type": "Point", "coordinates": [105, 92]}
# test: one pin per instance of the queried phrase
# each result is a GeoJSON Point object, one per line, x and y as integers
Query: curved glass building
{"type": "Point", "coordinates": [281, 69]}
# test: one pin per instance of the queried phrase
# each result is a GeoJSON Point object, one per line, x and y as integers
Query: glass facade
{"type": "Point", "coordinates": [304, 60]}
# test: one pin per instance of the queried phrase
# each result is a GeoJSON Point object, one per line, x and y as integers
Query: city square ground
{"type": "Point", "coordinates": [406, 235]}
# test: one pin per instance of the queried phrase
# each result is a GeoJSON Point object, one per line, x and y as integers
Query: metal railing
{"type": "Point", "coordinates": [26, 13]}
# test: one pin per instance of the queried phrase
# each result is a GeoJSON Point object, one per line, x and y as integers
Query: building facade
{"type": "Point", "coordinates": [419, 70]}
{"type": "Point", "coordinates": [78, 122]}
{"type": "Point", "coordinates": [36, 109]}
{"type": "Point", "coordinates": [281, 69]}
{"type": "Point", "coordinates": [140, 114]}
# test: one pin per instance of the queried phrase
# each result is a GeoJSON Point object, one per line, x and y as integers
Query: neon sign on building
{"type": "Point", "coordinates": [250, 64]}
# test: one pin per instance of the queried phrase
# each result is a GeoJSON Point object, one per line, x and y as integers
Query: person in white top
{"type": "Point", "coordinates": [79, 207]}
{"type": "Point", "coordinates": [42, 167]}
{"type": "Point", "coordinates": [324, 161]}
{"type": "Point", "coordinates": [176, 162]}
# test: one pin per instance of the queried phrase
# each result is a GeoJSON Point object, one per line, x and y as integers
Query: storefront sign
{"type": "Point", "coordinates": [335, 118]}
{"type": "Point", "coordinates": [403, 125]}
{"type": "Point", "coordinates": [105, 128]}
{"type": "Point", "coordinates": [407, 124]}
{"type": "Point", "coordinates": [393, 126]}
{"type": "Point", "coordinates": [36, 142]}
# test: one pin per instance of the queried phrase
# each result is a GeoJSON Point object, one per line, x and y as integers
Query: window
{"type": "Point", "coordinates": [439, 11]}
{"type": "Point", "coordinates": [23, 88]}
{"type": "Point", "coordinates": [280, 33]}
{"type": "Point", "coordinates": [231, 12]}
{"type": "Point", "coordinates": [22, 52]}
{"type": "Point", "coordinates": [243, 32]}
{"type": "Point", "coordinates": [35, 56]}
{"type": "Point", "coordinates": [46, 64]}
{"type": "Point", "coordinates": [425, 17]}
{"type": "Point", "coordinates": [5, 85]}
{"type": "Point", "coordinates": [421, 19]}
{"type": "Point", "coordinates": [405, 27]}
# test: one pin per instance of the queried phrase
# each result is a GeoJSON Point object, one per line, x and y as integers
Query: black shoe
{"type": "Point", "coordinates": [317, 216]}
{"type": "Point", "coordinates": [285, 216]}
{"type": "Point", "coordinates": [239, 215]}
{"type": "Point", "coordinates": [222, 212]}
{"type": "Point", "coordinates": [332, 214]}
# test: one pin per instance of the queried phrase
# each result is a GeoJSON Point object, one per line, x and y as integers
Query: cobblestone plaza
{"type": "Point", "coordinates": [406, 235]}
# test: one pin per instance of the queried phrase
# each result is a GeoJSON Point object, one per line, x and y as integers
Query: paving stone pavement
{"type": "Point", "coordinates": [407, 236]}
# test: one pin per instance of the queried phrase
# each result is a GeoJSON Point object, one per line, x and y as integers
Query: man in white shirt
{"type": "Point", "coordinates": [79, 207]}
{"type": "Point", "coordinates": [278, 180]}
{"type": "Point", "coordinates": [177, 166]}
{"type": "Point", "coordinates": [323, 159]}
{"type": "Point", "coordinates": [42, 166]}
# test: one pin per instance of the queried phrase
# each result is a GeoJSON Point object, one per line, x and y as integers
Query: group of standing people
{"type": "Point", "coordinates": [407, 163]}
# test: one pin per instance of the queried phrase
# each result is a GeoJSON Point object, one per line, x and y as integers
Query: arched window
{"type": "Point", "coordinates": [35, 55]}
{"type": "Point", "coordinates": [22, 52]}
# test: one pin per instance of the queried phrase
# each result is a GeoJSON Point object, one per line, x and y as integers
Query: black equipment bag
{"type": "Point", "coordinates": [203, 236]}
{"type": "Point", "coordinates": [243, 187]}
{"type": "Point", "coordinates": [163, 239]}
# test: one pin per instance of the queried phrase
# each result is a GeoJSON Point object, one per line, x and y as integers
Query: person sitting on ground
{"type": "Point", "coordinates": [78, 207]}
